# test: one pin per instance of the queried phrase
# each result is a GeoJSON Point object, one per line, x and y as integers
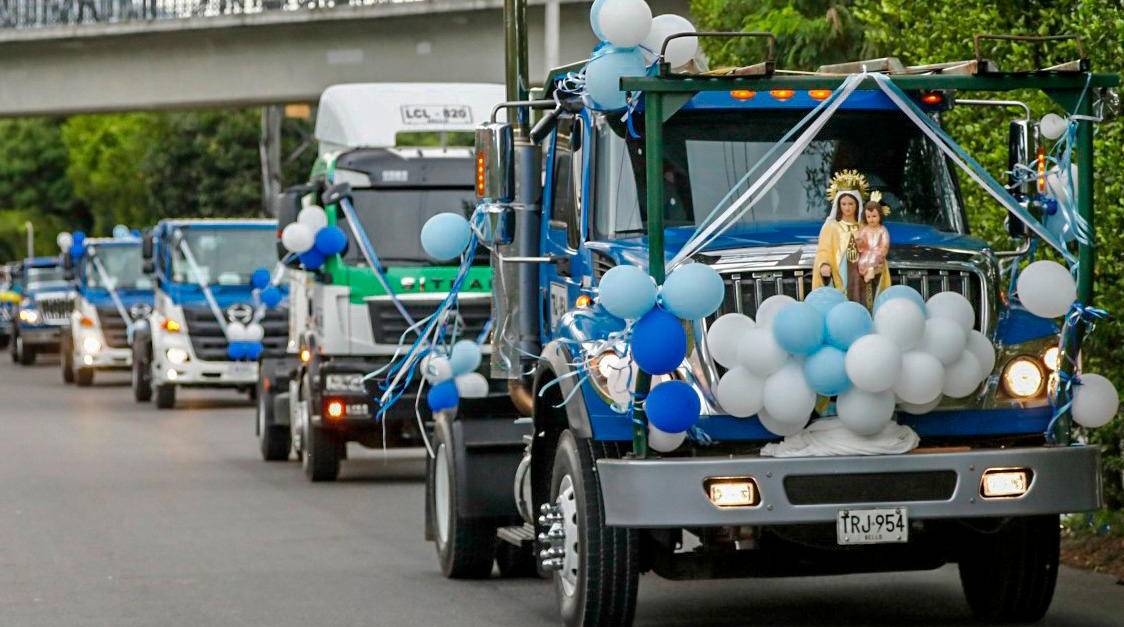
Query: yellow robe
{"type": "Point", "coordinates": [832, 250]}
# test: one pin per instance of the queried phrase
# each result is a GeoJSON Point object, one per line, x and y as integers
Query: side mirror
{"type": "Point", "coordinates": [495, 160]}
{"type": "Point", "coordinates": [148, 267]}
{"type": "Point", "coordinates": [146, 247]}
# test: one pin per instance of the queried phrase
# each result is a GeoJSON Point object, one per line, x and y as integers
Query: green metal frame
{"type": "Point", "coordinates": [664, 96]}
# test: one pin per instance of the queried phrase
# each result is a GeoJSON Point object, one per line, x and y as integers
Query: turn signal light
{"type": "Point", "coordinates": [85, 322]}
{"type": "Point", "coordinates": [819, 94]}
{"type": "Point", "coordinates": [742, 94]}
{"type": "Point", "coordinates": [1041, 169]}
{"type": "Point", "coordinates": [583, 301]}
{"type": "Point", "coordinates": [782, 94]}
{"type": "Point", "coordinates": [732, 491]}
{"type": "Point", "coordinates": [306, 355]}
{"type": "Point", "coordinates": [334, 408]}
{"type": "Point", "coordinates": [171, 326]}
{"type": "Point", "coordinates": [932, 98]}
{"type": "Point", "coordinates": [481, 162]}
{"type": "Point", "coordinates": [1004, 482]}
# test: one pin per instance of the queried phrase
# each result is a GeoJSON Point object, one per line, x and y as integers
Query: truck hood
{"type": "Point", "coordinates": [99, 297]}
{"type": "Point", "coordinates": [226, 295]}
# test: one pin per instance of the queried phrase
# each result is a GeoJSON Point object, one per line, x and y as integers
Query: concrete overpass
{"type": "Point", "coordinates": [266, 57]}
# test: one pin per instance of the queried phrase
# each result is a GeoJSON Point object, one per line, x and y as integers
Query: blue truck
{"type": "Point", "coordinates": [43, 309]}
{"type": "Point", "coordinates": [583, 191]}
{"type": "Point", "coordinates": [9, 297]}
{"type": "Point", "coordinates": [112, 294]}
{"type": "Point", "coordinates": [201, 271]}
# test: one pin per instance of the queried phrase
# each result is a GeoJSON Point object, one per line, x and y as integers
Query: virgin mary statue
{"type": "Point", "coordinates": [837, 251]}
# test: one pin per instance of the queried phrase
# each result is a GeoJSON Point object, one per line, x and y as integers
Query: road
{"type": "Point", "coordinates": [114, 513]}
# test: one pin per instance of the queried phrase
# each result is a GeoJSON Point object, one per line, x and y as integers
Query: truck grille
{"type": "Point", "coordinates": [56, 310]}
{"type": "Point", "coordinates": [387, 325]}
{"type": "Point", "coordinates": [209, 343]}
{"type": "Point", "coordinates": [113, 327]}
{"type": "Point", "coordinates": [746, 289]}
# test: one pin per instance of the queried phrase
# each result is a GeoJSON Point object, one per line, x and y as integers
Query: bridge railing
{"type": "Point", "coordinates": [49, 13]}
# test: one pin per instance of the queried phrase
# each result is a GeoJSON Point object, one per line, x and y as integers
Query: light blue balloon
{"type": "Point", "coordinates": [445, 236]}
{"type": "Point", "coordinates": [800, 329]}
{"type": "Point", "coordinates": [120, 231]}
{"type": "Point", "coordinates": [824, 298]}
{"type": "Point", "coordinates": [464, 358]}
{"type": "Point", "coordinates": [899, 291]}
{"type": "Point", "coordinates": [595, 18]}
{"type": "Point", "coordinates": [627, 292]}
{"type": "Point", "coordinates": [603, 77]}
{"type": "Point", "coordinates": [825, 373]}
{"type": "Point", "coordinates": [847, 322]}
{"type": "Point", "coordinates": [693, 291]}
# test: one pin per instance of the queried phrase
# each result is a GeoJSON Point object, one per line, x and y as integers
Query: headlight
{"type": "Point", "coordinates": [1050, 358]}
{"type": "Point", "coordinates": [29, 316]}
{"type": "Point", "coordinates": [1022, 377]}
{"type": "Point", "coordinates": [351, 382]}
{"type": "Point", "coordinates": [176, 356]}
{"type": "Point", "coordinates": [91, 345]}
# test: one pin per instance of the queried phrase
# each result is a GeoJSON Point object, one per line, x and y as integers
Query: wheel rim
{"type": "Point", "coordinates": [442, 496]}
{"type": "Point", "coordinates": [568, 504]}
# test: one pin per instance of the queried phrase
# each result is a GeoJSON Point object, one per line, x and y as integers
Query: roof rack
{"type": "Point", "coordinates": [1080, 64]}
{"type": "Point", "coordinates": [762, 68]}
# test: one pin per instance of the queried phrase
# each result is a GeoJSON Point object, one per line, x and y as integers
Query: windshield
{"type": "Point", "coordinates": [46, 279]}
{"type": "Point", "coordinates": [389, 216]}
{"type": "Point", "coordinates": [225, 256]}
{"type": "Point", "coordinates": [122, 266]}
{"type": "Point", "coordinates": [707, 154]}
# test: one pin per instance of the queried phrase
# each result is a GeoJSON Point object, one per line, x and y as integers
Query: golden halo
{"type": "Point", "coordinates": [847, 180]}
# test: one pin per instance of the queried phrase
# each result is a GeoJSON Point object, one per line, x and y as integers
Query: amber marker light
{"type": "Point", "coordinates": [481, 161]}
{"type": "Point", "coordinates": [819, 94]}
{"type": "Point", "coordinates": [585, 300]}
{"type": "Point", "coordinates": [335, 408]}
{"type": "Point", "coordinates": [742, 94]}
{"type": "Point", "coordinates": [86, 322]}
{"type": "Point", "coordinates": [782, 94]}
{"type": "Point", "coordinates": [932, 98]}
{"type": "Point", "coordinates": [171, 326]}
{"type": "Point", "coordinates": [306, 355]}
{"type": "Point", "coordinates": [1041, 169]}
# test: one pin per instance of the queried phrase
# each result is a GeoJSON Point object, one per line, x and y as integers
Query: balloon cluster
{"type": "Point", "coordinates": [445, 236]}
{"type": "Point", "coordinates": [631, 40]}
{"type": "Point", "coordinates": [312, 239]}
{"type": "Point", "coordinates": [658, 338]}
{"type": "Point", "coordinates": [72, 243]}
{"type": "Point", "coordinates": [1047, 289]}
{"type": "Point", "coordinates": [909, 355]}
{"type": "Point", "coordinates": [452, 375]}
{"type": "Point", "coordinates": [245, 340]}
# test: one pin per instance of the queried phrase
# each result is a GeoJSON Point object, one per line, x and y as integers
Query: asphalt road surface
{"type": "Point", "coordinates": [114, 513]}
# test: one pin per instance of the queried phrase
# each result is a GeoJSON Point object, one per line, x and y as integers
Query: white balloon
{"type": "Point", "coordinates": [236, 332]}
{"type": "Point", "coordinates": [962, 377]}
{"type": "Point", "coordinates": [471, 385]}
{"type": "Point", "coordinates": [1046, 289]}
{"type": "Point", "coordinates": [983, 350]}
{"type": "Point", "coordinates": [1052, 125]}
{"type": "Point", "coordinates": [788, 398]}
{"type": "Point", "coordinates": [298, 238]}
{"type": "Point", "coordinates": [740, 393]}
{"type": "Point", "coordinates": [921, 379]}
{"type": "Point", "coordinates": [873, 362]}
{"type": "Point", "coordinates": [625, 23]}
{"type": "Point", "coordinates": [952, 305]}
{"type": "Point", "coordinates": [65, 240]}
{"type": "Point", "coordinates": [865, 413]}
{"type": "Point", "coordinates": [944, 339]}
{"type": "Point", "coordinates": [759, 352]}
{"type": "Point", "coordinates": [783, 429]}
{"type": "Point", "coordinates": [436, 368]}
{"type": "Point", "coordinates": [770, 307]}
{"type": "Point", "coordinates": [681, 50]}
{"type": "Point", "coordinates": [1095, 401]}
{"type": "Point", "coordinates": [901, 320]}
{"type": "Point", "coordinates": [919, 410]}
{"type": "Point", "coordinates": [254, 332]}
{"type": "Point", "coordinates": [663, 441]}
{"type": "Point", "coordinates": [723, 336]}
{"type": "Point", "coordinates": [313, 217]}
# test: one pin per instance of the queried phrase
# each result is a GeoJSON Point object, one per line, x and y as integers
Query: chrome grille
{"type": "Point", "coordinates": [387, 324]}
{"type": "Point", "coordinates": [55, 310]}
{"type": "Point", "coordinates": [113, 327]}
{"type": "Point", "coordinates": [210, 344]}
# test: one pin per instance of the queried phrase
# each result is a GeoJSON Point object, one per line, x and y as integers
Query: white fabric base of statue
{"type": "Point", "coordinates": [828, 437]}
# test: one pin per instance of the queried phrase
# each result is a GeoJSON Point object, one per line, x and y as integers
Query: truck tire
{"type": "Point", "coordinates": [1008, 576]}
{"type": "Point", "coordinates": [15, 348]}
{"type": "Point", "coordinates": [321, 458]}
{"type": "Point", "coordinates": [466, 548]}
{"type": "Point", "coordinates": [598, 581]}
{"type": "Point", "coordinates": [5, 339]}
{"type": "Point", "coordinates": [142, 375]}
{"type": "Point", "coordinates": [66, 358]}
{"type": "Point", "coordinates": [84, 377]}
{"type": "Point", "coordinates": [165, 396]}
{"type": "Point", "coordinates": [26, 353]}
{"type": "Point", "coordinates": [273, 440]}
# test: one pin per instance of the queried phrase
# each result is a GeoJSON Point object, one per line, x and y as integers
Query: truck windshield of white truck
{"type": "Point", "coordinates": [123, 268]}
{"type": "Point", "coordinates": [226, 256]}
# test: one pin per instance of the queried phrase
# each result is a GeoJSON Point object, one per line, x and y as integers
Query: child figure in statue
{"type": "Point", "coordinates": [873, 244]}
{"type": "Point", "coordinates": [837, 252]}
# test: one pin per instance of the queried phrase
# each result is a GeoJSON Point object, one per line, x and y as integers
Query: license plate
{"type": "Point", "coordinates": [872, 526]}
{"type": "Point", "coordinates": [242, 369]}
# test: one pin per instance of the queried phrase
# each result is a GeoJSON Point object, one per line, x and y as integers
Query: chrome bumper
{"type": "Point", "coordinates": [669, 492]}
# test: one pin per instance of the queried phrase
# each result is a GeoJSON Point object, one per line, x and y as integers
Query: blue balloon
{"type": "Point", "coordinates": [236, 350]}
{"type": "Point", "coordinates": [77, 250]}
{"type": "Point", "coordinates": [603, 76]}
{"type": "Point", "coordinates": [253, 350]}
{"type": "Point", "coordinates": [330, 240]}
{"type": "Point", "coordinates": [464, 357]}
{"type": "Point", "coordinates": [311, 258]}
{"type": "Point", "coordinates": [595, 18]}
{"type": "Point", "coordinates": [659, 343]}
{"type": "Point", "coordinates": [271, 296]}
{"type": "Point", "coordinates": [443, 396]}
{"type": "Point", "coordinates": [136, 233]}
{"type": "Point", "coordinates": [800, 330]}
{"type": "Point", "coordinates": [693, 291]}
{"type": "Point", "coordinates": [259, 279]}
{"type": "Point", "coordinates": [445, 236]}
{"type": "Point", "coordinates": [824, 371]}
{"type": "Point", "coordinates": [77, 237]}
{"type": "Point", "coordinates": [846, 323]}
{"type": "Point", "coordinates": [627, 292]}
{"type": "Point", "coordinates": [899, 291]}
{"type": "Point", "coordinates": [672, 407]}
{"type": "Point", "coordinates": [824, 298]}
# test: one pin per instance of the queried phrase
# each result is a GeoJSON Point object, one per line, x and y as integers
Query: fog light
{"type": "Point", "coordinates": [1005, 482]}
{"type": "Point", "coordinates": [176, 356]}
{"type": "Point", "coordinates": [88, 360]}
{"type": "Point", "coordinates": [732, 491]}
{"type": "Point", "coordinates": [171, 375]}
{"type": "Point", "coordinates": [1050, 358]}
{"type": "Point", "coordinates": [1022, 377]}
{"type": "Point", "coordinates": [91, 345]}
{"type": "Point", "coordinates": [335, 408]}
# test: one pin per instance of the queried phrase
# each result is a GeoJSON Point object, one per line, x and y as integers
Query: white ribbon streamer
{"type": "Point", "coordinates": [202, 281]}
{"type": "Point", "coordinates": [111, 287]}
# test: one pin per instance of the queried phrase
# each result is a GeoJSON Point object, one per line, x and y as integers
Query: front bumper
{"type": "Point", "coordinates": [199, 373]}
{"type": "Point", "coordinates": [669, 492]}
{"type": "Point", "coordinates": [106, 359]}
{"type": "Point", "coordinates": [41, 335]}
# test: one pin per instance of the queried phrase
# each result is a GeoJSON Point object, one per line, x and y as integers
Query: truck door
{"type": "Point", "coordinates": [564, 218]}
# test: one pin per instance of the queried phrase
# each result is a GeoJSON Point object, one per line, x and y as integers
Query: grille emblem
{"type": "Point", "coordinates": [139, 311]}
{"type": "Point", "coordinates": [240, 312]}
